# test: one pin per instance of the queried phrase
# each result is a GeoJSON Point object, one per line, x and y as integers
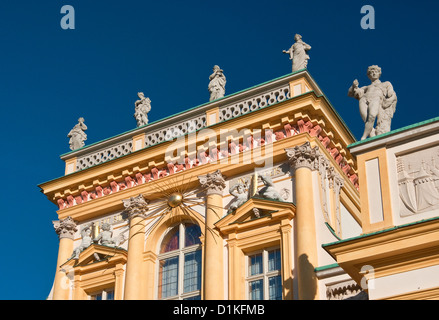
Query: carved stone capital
{"type": "Point", "coordinates": [213, 182]}
{"type": "Point", "coordinates": [136, 206]}
{"type": "Point", "coordinates": [65, 228]}
{"type": "Point", "coordinates": [304, 156]}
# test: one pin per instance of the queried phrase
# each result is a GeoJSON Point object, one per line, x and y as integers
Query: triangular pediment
{"type": "Point", "coordinates": [97, 253]}
{"type": "Point", "coordinates": [256, 211]}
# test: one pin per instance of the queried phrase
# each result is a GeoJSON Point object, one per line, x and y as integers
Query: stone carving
{"type": "Point", "coordinates": [298, 53]}
{"type": "Point", "coordinates": [213, 182]}
{"type": "Point", "coordinates": [105, 237]}
{"type": "Point", "coordinates": [303, 156]}
{"type": "Point", "coordinates": [240, 192]}
{"type": "Point", "coordinates": [136, 206]}
{"type": "Point", "coordinates": [77, 135]}
{"type": "Point", "coordinates": [346, 290]}
{"type": "Point", "coordinates": [65, 228]}
{"type": "Point", "coordinates": [324, 169]}
{"type": "Point", "coordinates": [336, 182]}
{"type": "Point", "coordinates": [86, 241]}
{"type": "Point", "coordinates": [269, 191]}
{"type": "Point", "coordinates": [142, 107]}
{"type": "Point", "coordinates": [217, 84]}
{"type": "Point", "coordinates": [285, 194]}
{"type": "Point", "coordinates": [418, 181]}
{"type": "Point", "coordinates": [377, 101]}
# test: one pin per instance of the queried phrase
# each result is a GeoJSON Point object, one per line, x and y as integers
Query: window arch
{"type": "Point", "coordinates": [179, 274]}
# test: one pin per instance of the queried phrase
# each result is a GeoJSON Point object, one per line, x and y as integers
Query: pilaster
{"type": "Point", "coordinates": [65, 229]}
{"type": "Point", "coordinates": [214, 183]}
{"type": "Point", "coordinates": [304, 159]}
{"type": "Point", "coordinates": [136, 208]}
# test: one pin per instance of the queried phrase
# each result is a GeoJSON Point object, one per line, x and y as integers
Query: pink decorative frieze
{"type": "Point", "coordinates": [213, 154]}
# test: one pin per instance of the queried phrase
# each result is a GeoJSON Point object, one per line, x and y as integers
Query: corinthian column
{"type": "Point", "coordinates": [65, 229]}
{"type": "Point", "coordinates": [213, 247]}
{"type": "Point", "coordinates": [303, 160]}
{"type": "Point", "coordinates": [135, 279]}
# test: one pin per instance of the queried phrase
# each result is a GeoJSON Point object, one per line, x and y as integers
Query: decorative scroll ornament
{"type": "Point", "coordinates": [136, 206]}
{"type": "Point", "coordinates": [303, 156]}
{"type": "Point", "coordinates": [213, 182]}
{"type": "Point", "coordinates": [65, 228]}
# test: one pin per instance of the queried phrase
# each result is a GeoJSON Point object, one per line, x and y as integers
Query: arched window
{"type": "Point", "coordinates": [180, 263]}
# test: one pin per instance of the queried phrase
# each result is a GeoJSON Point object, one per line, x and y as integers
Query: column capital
{"type": "Point", "coordinates": [214, 182]}
{"type": "Point", "coordinates": [136, 206]}
{"type": "Point", "coordinates": [304, 156]}
{"type": "Point", "coordinates": [65, 228]}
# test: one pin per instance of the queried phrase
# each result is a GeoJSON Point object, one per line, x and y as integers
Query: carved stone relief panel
{"type": "Point", "coordinates": [418, 181]}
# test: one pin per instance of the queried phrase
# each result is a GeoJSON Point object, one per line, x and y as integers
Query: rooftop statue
{"type": "Point", "coordinates": [217, 84]}
{"type": "Point", "coordinates": [298, 53]}
{"type": "Point", "coordinates": [142, 107]}
{"type": "Point", "coordinates": [377, 101]}
{"type": "Point", "coordinates": [77, 135]}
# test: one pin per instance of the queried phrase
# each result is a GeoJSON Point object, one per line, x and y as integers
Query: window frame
{"type": "Point", "coordinates": [180, 253]}
{"type": "Point", "coordinates": [265, 275]}
{"type": "Point", "coordinates": [103, 293]}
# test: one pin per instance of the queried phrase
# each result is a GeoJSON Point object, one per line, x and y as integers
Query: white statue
{"type": "Point", "coordinates": [268, 191]}
{"type": "Point", "coordinates": [142, 107]}
{"type": "Point", "coordinates": [217, 84]}
{"type": "Point", "coordinates": [240, 194]}
{"type": "Point", "coordinates": [85, 242]}
{"type": "Point", "coordinates": [77, 135]}
{"type": "Point", "coordinates": [377, 101]}
{"type": "Point", "coordinates": [105, 237]}
{"type": "Point", "coordinates": [298, 53]}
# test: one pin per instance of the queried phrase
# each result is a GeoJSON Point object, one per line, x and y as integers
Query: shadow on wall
{"type": "Point", "coordinates": [308, 286]}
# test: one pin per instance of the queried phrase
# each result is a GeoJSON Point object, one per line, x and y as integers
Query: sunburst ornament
{"type": "Point", "coordinates": [175, 197]}
{"type": "Point", "coordinates": [175, 200]}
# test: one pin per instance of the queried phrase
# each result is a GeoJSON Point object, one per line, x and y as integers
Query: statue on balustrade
{"type": "Point", "coordinates": [217, 84]}
{"type": "Point", "coordinates": [377, 102]}
{"type": "Point", "coordinates": [298, 53]}
{"type": "Point", "coordinates": [142, 107]}
{"type": "Point", "coordinates": [77, 135]}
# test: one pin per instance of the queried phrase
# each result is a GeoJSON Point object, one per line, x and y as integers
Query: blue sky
{"type": "Point", "coordinates": [49, 77]}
